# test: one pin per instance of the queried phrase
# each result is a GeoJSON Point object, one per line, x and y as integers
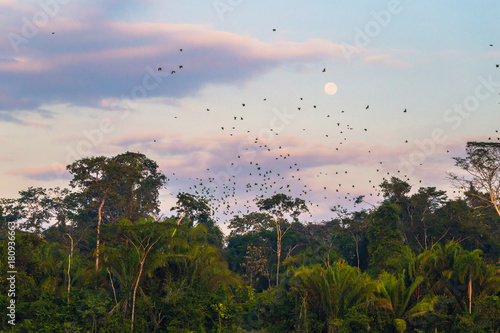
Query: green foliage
{"type": "Point", "coordinates": [175, 274]}
{"type": "Point", "coordinates": [333, 291]}
{"type": "Point", "coordinates": [488, 312]}
{"type": "Point", "coordinates": [384, 238]}
{"type": "Point", "coordinates": [398, 299]}
{"type": "Point", "coordinates": [355, 321]}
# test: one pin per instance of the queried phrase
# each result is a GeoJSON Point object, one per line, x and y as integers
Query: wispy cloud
{"type": "Point", "coordinates": [386, 60]}
{"type": "Point", "coordinates": [89, 63]}
{"type": "Point", "coordinates": [46, 173]}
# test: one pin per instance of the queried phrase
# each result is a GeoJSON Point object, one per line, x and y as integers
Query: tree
{"type": "Point", "coordinates": [278, 206]}
{"type": "Point", "coordinates": [255, 263]}
{"type": "Point", "coordinates": [424, 227]}
{"type": "Point", "coordinates": [69, 265]}
{"type": "Point", "coordinates": [34, 205]}
{"type": "Point", "coordinates": [397, 299]}
{"type": "Point", "coordinates": [253, 222]}
{"type": "Point", "coordinates": [384, 237]}
{"type": "Point", "coordinates": [435, 262]}
{"type": "Point", "coordinates": [129, 183]}
{"type": "Point", "coordinates": [395, 190]}
{"type": "Point", "coordinates": [193, 207]}
{"type": "Point", "coordinates": [483, 164]}
{"type": "Point", "coordinates": [196, 208]}
{"type": "Point", "coordinates": [469, 266]}
{"type": "Point", "coordinates": [419, 226]}
{"type": "Point", "coordinates": [64, 205]}
{"type": "Point", "coordinates": [95, 177]}
{"type": "Point", "coordinates": [355, 224]}
{"type": "Point", "coordinates": [8, 212]}
{"type": "Point", "coordinates": [143, 236]}
{"type": "Point", "coordinates": [333, 291]}
{"type": "Point", "coordinates": [139, 186]}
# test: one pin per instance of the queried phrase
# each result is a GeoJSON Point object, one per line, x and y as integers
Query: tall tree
{"type": "Point", "coordinates": [143, 236]}
{"type": "Point", "coordinates": [128, 184]}
{"type": "Point", "coordinates": [422, 225]}
{"type": "Point", "coordinates": [483, 164]}
{"type": "Point", "coordinates": [192, 206]}
{"type": "Point", "coordinates": [384, 237]}
{"type": "Point", "coordinates": [470, 266]}
{"type": "Point", "coordinates": [253, 222]}
{"type": "Point", "coordinates": [8, 211]}
{"type": "Point", "coordinates": [96, 178]}
{"type": "Point", "coordinates": [196, 209]}
{"type": "Point", "coordinates": [139, 186]}
{"type": "Point", "coordinates": [34, 205]}
{"type": "Point", "coordinates": [355, 223]}
{"type": "Point", "coordinates": [280, 205]}
{"type": "Point", "coordinates": [437, 264]}
{"type": "Point", "coordinates": [255, 264]}
{"type": "Point", "coordinates": [395, 190]}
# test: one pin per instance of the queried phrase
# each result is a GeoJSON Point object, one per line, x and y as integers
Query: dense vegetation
{"type": "Point", "coordinates": [107, 262]}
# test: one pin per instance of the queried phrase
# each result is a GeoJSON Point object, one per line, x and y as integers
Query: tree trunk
{"type": "Point", "coordinates": [332, 327]}
{"type": "Point", "coordinates": [357, 251]}
{"type": "Point", "coordinates": [112, 285]}
{"type": "Point", "coordinates": [178, 222]}
{"type": "Point", "coordinates": [135, 292]}
{"type": "Point", "coordinates": [278, 248]}
{"type": "Point", "coordinates": [494, 199]}
{"type": "Point", "coordinates": [470, 291]}
{"type": "Point", "coordinates": [98, 233]}
{"type": "Point", "coordinates": [34, 220]}
{"type": "Point", "coordinates": [69, 265]}
{"type": "Point", "coordinates": [141, 263]}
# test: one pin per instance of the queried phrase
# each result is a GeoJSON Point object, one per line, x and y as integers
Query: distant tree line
{"type": "Point", "coordinates": [98, 257]}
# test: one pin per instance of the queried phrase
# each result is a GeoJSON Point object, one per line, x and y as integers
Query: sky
{"type": "Point", "coordinates": [236, 99]}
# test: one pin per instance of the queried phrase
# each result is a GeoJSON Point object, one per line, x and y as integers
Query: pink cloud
{"type": "Point", "coordinates": [24, 65]}
{"type": "Point", "coordinates": [131, 139]}
{"type": "Point", "coordinates": [94, 63]}
{"type": "Point", "coordinates": [386, 61]}
{"type": "Point", "coordinates": [51, 172]}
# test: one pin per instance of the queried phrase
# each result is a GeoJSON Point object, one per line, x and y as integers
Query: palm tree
{"type": "Point", "coordinates": [207, 270]}
{"type": "Point", "coordinates": [335, 290]}
{"type": "Point", "coordinates": [469, 266]}
{"type": "Point", "coordinates": [397, 299]}
{"type": "Point", "coordinates": [436, 264]}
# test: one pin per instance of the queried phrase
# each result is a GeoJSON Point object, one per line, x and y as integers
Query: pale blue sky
{"type": "Point", "coordinates": [57, 89]}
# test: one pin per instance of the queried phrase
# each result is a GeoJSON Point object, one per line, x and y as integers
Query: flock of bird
{"type": "Point", "coordinates": [268, 167]}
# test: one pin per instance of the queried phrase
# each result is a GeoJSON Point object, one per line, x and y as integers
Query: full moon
{"type": "Point", "coordinates": [330, 88]}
